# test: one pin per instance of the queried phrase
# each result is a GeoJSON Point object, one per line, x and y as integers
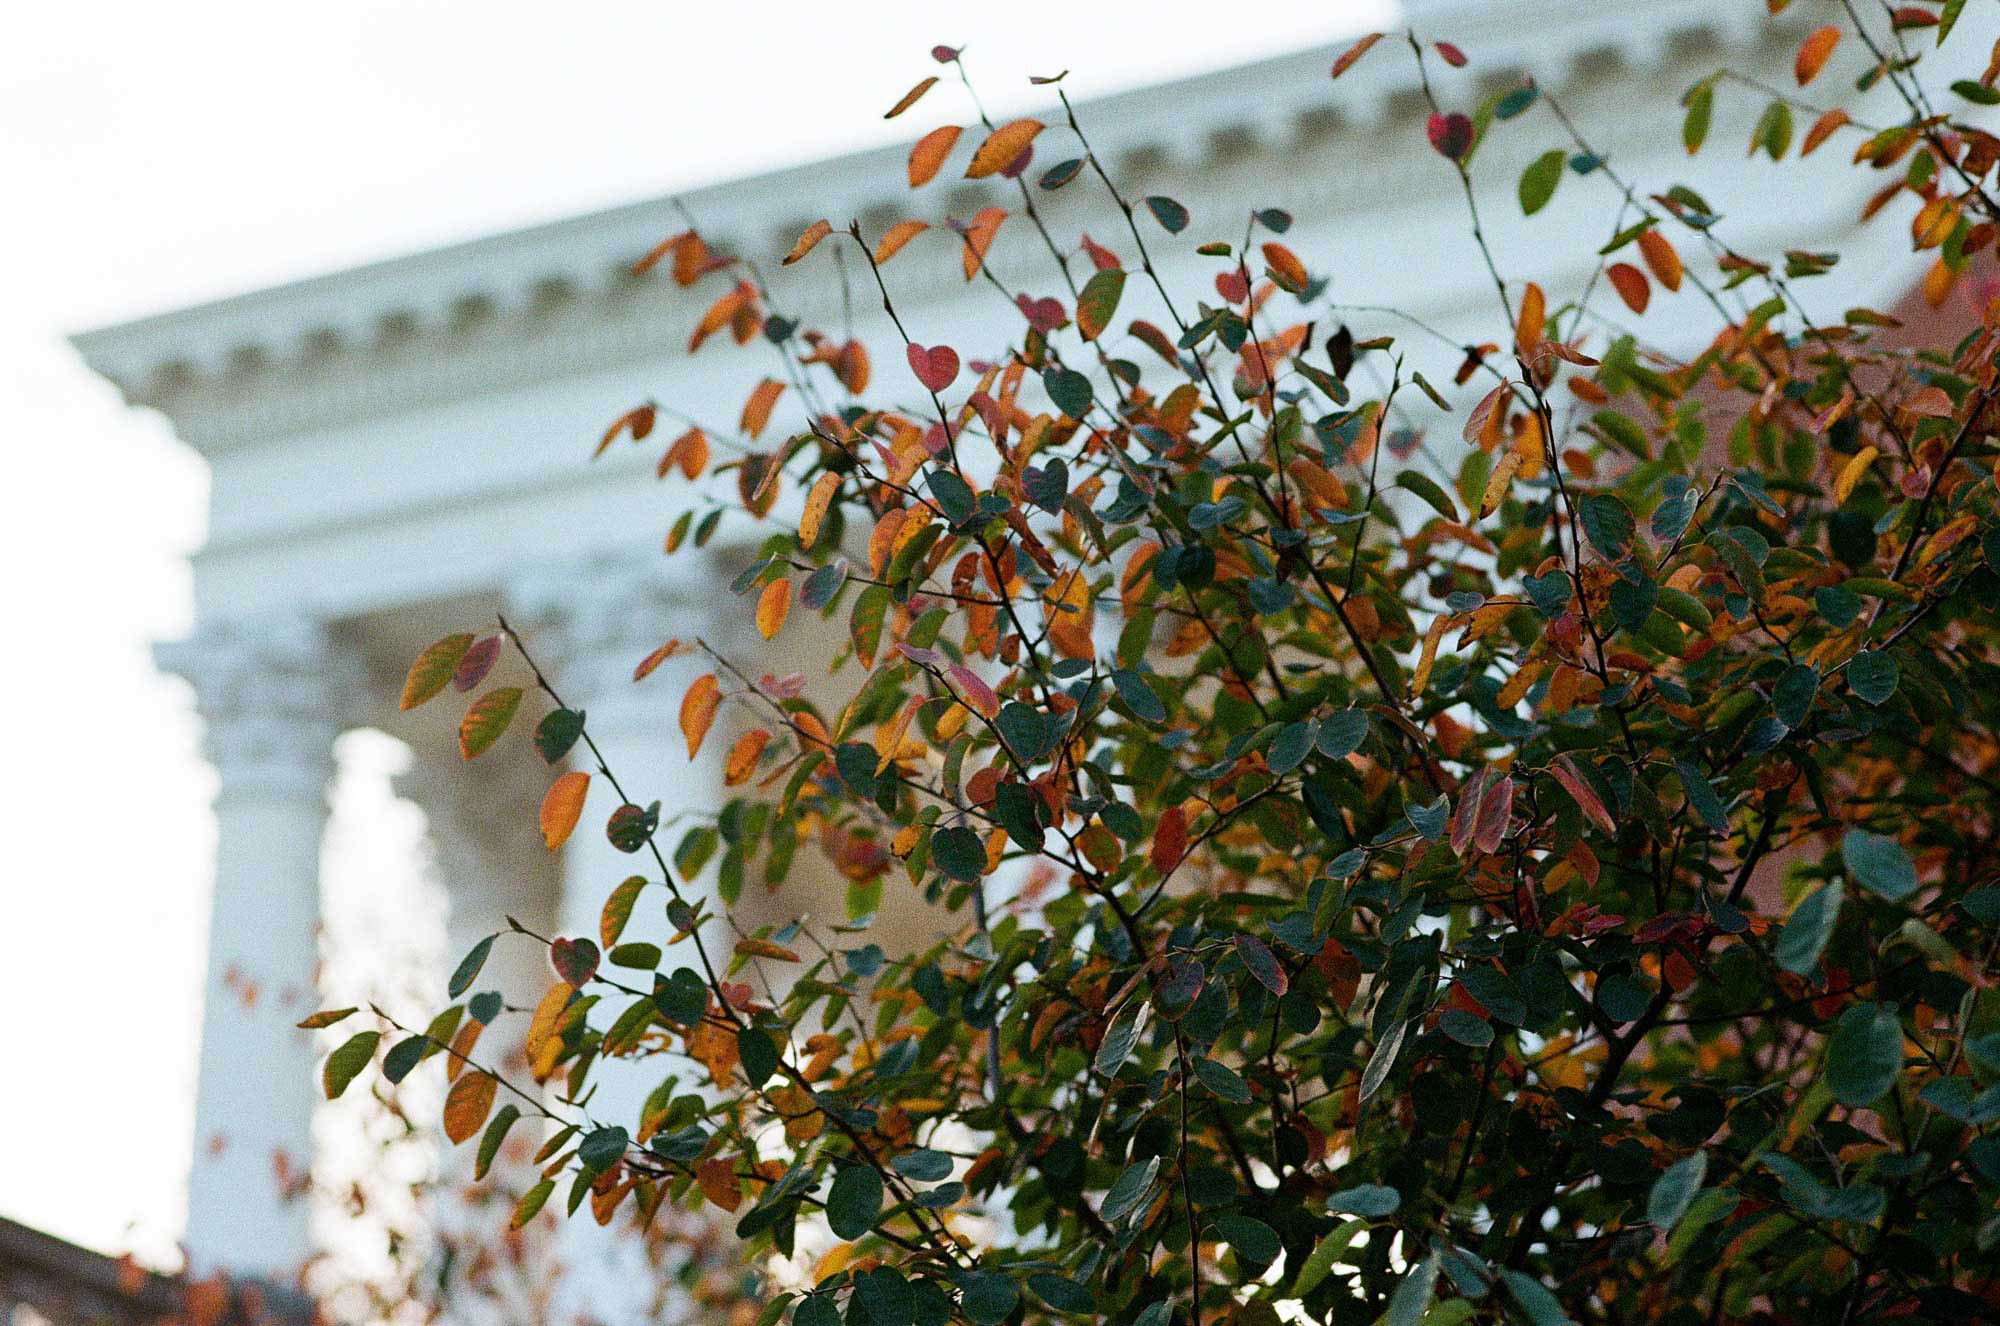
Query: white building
{"type": "Point", "coordinates": [402, 449]}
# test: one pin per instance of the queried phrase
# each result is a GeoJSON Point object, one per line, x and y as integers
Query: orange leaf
{"type": "Point", "coordinates": [812, 235]}
{"type": "Point", "coordinates": [817, 500]}
{"type": "Point", "coordinates": [654, 659]}
{"type": "Point", "coordinates": [689, 452]}
{"type": "Point", "coordinates": [467, 1105]}
{"type": "Point", "coordinates": [671, 244]}
{"type": "Point", "coordinates": [547, 1018]}
{"type": "Point", "coordinates": [1631, 285]}
{"type": "Point", "coordinates": [909, 100]}
{"type": "Point", "coordinates": [1813, 52]}
{"type": "Point", "coordinates": [742, 761]}
{"type": "Point", "coordinates": [929, 154]}
{"type": "Point", "coordinates": [1661, 260]}
{"type": "Point", "coordinates": [1528, 327]}
{"type": "Point", "coordinates": [1001, 147]}
{"type": "Point", "coordinates": [1822, 129]}
{"type": "Point", "coordinates": [639, 419]}
{"type": "Point", "coordinates": [979, 238]}
{"type": "Point", "coordinates": [1285, 267]}
{"type": "Point", "coordinates": [487, 719]}
{"type": "Point", "coordinates": [433, 669]}
{"type": "Point", "coordinates": [717, 1177]}
{"type": "Point", "coordinates": [1428, 658]}
{"type": "Point", "coordinates": [1482, 416]}
{"type": "Point", "coordinates": [772, 606]}
{"type": "Point", "coordinates": [896, 236]}
{"type": "Point", "coordinates": [757, 410]}
{"type": "Point", "coordinates": [764, 948]}
{"type": "Point", "coordinates": [698, 708]}
{"type": "Point", "coordinates": [1930, 401]}
{"type": "Point", "coordinates": [720, 314]}
{"type": "Point", "coordinates": [562, 806]}
{"type": "Point", "coordinates": [1354, 53]}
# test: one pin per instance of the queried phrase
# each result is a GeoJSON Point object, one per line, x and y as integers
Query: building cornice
{"type": "Point", "coordinates": [558, 298]}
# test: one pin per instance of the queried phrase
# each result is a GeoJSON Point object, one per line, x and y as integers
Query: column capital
{"type": "Point", "coordinates": [274, 693]}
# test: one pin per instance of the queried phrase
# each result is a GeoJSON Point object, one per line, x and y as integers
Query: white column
{"type": "Point", "coordinates": [487, 853]}
{"type": "Point", "coordinates": [591, 623]}
{"type": "Point", "coordinates": [274, 694]}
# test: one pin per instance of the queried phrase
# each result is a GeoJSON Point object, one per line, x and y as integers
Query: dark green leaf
{"type": "Point", "coordinates": [854, 1201]}
{"type": "Point", "coordinates": [347, 1061]}
{"type": "Point", "coordinates": [1879, 864]}
{"type": "Point", "coordinates": [1807, 929]}
{"type": "Point", "coordinates": [1864, 1055]}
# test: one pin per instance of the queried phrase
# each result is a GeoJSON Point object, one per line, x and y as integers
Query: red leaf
{"type": "Point", "coordinates": [1169, 839]}
{"type": "Point", "coordinates": [1451, 55]}
{"type": "Point", "coordinates": [1495, 808]}
{"type": "Point", "coordinates": [1564, 771]}
{"type": "Point", "coordinates": [1467, 817]}
{"type": "Point", "coordinates": [476, 663]}
{"type": "Point", "coordinates": [935, 367]}
{"type": "Point", "coordinates": [575, 960]}
{"type": "Point", "coordinates": [1450, 134]}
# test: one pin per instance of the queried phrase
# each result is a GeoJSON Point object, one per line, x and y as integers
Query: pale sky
{"type": "Point", "coordinates": [156, 155]}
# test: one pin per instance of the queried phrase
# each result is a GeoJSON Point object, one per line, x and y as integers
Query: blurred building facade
{"type": "Point", "coordinates": [401, 450]}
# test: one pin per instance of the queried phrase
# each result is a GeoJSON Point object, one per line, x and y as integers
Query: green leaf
{"type": "Point", "coordinates": [1694, 125]}
{"type": "Point", "coordinates": [1062, 1293]}
{"type": "Point", "coordinates": [557, 732]}
{"type": "Point", "coordinates": [1808, 929]}
{"type": "Point", "coordinates": [1290, 748]}
{"type": "Point", "coordinates": [1864, 1055]}
{"type": "Point", "coordinates": [1879, 864]}
{"type": "Point", "coordinates": [1340, 735]}
{"type": "Point", "coordinates": [404, 1056]}
{"type": "Point", "coordinates": [1539, 180]}
{"type": "Point", "coordinates": [1369, 1200]}
{"type": "Point", "coordinates": [986, 1298]}
{"type": "Point", "coordinates": [1129, 1190]}
{"type": "Point", "coordinates": [1608, 524]}
{"type": "Point", "coordinates": [1774, 130]}
{"type": "Point", "coordinates": [1792, 696]}
{"type": "Point", "coordinates": [1173, 218]}
{"type": "Point", "coordinates": [468, 970]}
{"type": "Point", "coordinates": [1413, 1295]}
{"type": "Point", "coordinates": [1222, 1080]}
{"type": "Point", "coordinates": [759, 1054]}
{"type": "Point", "coordinates": [1427, 488]}
{"type": "Point", "coordinates": [854, 1201]}
{"type": "Point", "coordinates": [347, 1061]}
{"type": "Point", "coordinates": [1533, 1298]}
{"type": "Point", "coordinates": [959, 853]}
{"type": "Point", "coordinates": [1674, 1189]}
{"type": "Point", "coordinates": [1254, 1242]}
{"type": "Point", "coordinates": [1329, 1250]}
{"type": "Point", "coordinates": [1098, 303]}
{"type": "Point", "coordinates": [1873, 674]}
{"type": "Point", "coordinates": [495, 1134]}
{"type": "Point", "coordinates": [532, 1202]}
{"type": "Point", "coordinates": [1069, 390]}
{"type": "Point", "coordinates": [1122, 1035]}
{"type": "Point", "coordinates": [1138, 696]}
{"type": "Point", "coordinates": [487, 719]}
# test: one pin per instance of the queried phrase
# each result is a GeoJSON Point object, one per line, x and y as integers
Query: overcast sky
{"type": "Point", "coordinates": [156, 155]}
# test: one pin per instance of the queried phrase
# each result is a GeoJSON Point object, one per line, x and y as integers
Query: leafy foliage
{"type": "Point", "coordinates": [1558, 886]}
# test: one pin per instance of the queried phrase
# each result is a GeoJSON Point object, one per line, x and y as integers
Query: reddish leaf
{"type": "Point", "coordinates": [1813, 53]}
{"type": "Point", "coordinates": [467, 1104]}
{"type": "Point", "coordinates": [1169, 839]}
{"type": "Point", "coordinates": [936, 367]}
{"type": "Point", "coordinates": [910, 97]}
{"type": "Point", "coordinates": [972, 689]}
{"type": "Point", "coordinates": [1495, 808]}
{"type": "Point", "coordinates": [1450, 134]}
{"type": "Point", "coordinates": [1631, 285]}
{"type": "Point", "coordinates": [1564, 771]}
{"type": "Point", "coordinates": [575, 960]}
{"type": "Point", "coordinates": [1450, 54]}
{"type": "Point", "coordinates": [476, 663]}
{"type": "Point", "coordinates": [1353, 53]}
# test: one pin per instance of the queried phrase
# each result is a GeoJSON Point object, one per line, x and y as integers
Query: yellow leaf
{"type": "Point", "coordinates": [1069, 613]}
{"type": "Point", "coordinates": [562, 806]}
{"type": "Point", "coordinates": [814, 233]}
{"type": "Point", "coordinates": [1813, 53]}
{"type": "Point", "coordinates": [1428, 658]}
{"type": "Point", "coordinates": [772, 606]}
{"type": "Point", "coordinates": [896, 236]}
{"type": "Point", "coordinates": [433, 669]}
{"type": "Point", "coordinates": [1001, 147]}
{"type": "Point", "coordinates": [1850, 473]}
{"type": "Point", "coordinates": [889, 735]}
{"type": "Point", "coordinates": [487, 719]}
{"type": "Point", "coordinates": [698, 710]}
{"type": "Point", "coordinates": [742, 761]}
{"type": "Point", "coordinates": [467, 1105]}
{"type": "Point", "coordinates": [542, 1026]}
{"type": "Point", "coordinates": [817, 501]}
{"type": "Point", "coordinates": [1498, 482]}
{"type": "Point", "coordinates": [929, 154]}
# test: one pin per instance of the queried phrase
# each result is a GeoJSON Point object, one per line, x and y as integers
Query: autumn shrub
{"type": "Point", "coordinates": [1543, 877]}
